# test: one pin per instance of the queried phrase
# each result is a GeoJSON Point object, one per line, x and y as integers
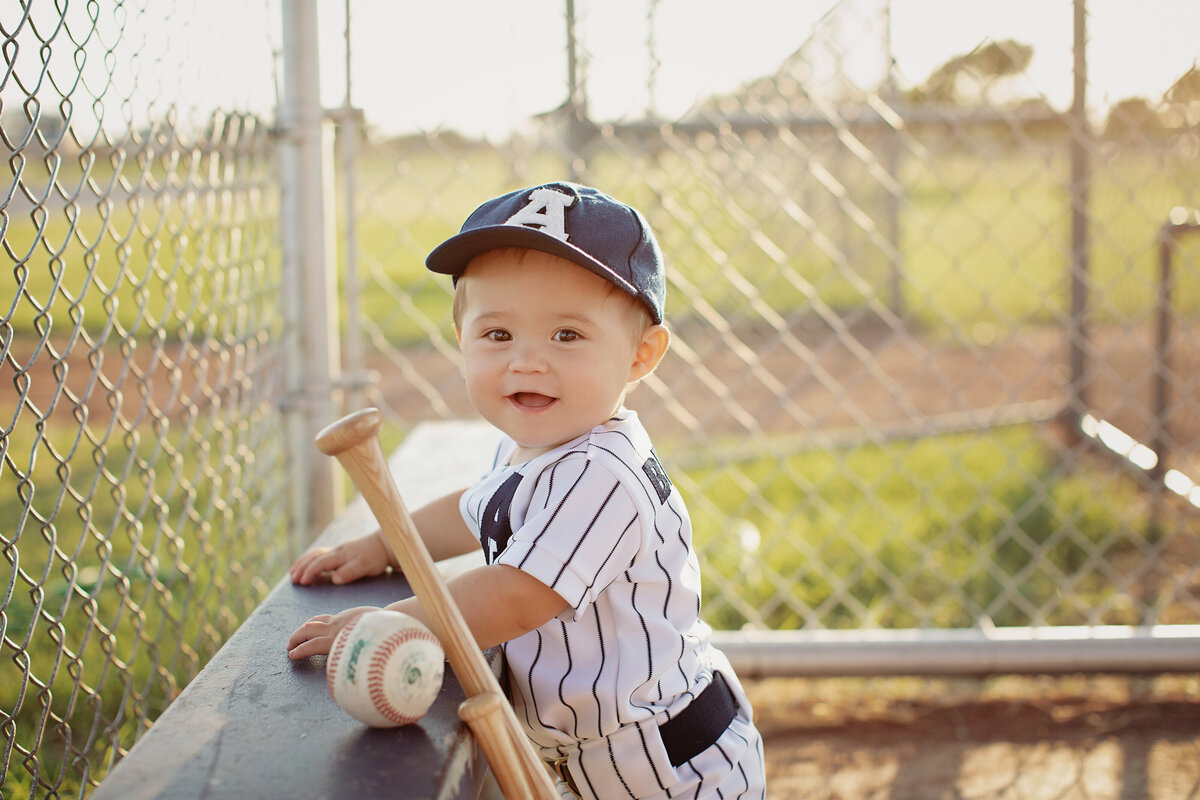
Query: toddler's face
{"type": "Point", "coordinates": [549, 347]}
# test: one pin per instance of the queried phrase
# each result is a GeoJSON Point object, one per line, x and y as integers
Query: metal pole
{"type": "Point", "coordinates": [1077, 329]}
{"type": "Point", "coordinates": [970, 651]}
{"type": "Point", "coordinates": [310, 285]}
{"type": "Point", "coordinates": [891, 155]}
{"type": "Point", "coordinates": [349, 119]}
{"type": "Point", "coordinates": [652, 54]}
{"type": "Point", "coordinates": [1181, 221]}
{"type": "Point", "coordinates": [577, 111]}
{"type": "Point", "coordinates": [1162, 361]}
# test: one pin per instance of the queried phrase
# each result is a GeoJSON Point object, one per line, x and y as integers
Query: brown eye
{"type": "Point", "coordinates": [566, 335]}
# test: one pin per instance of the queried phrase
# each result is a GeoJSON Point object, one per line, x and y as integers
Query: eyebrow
{"type": "Point", "coordinates": [580, 318]}
{"type": "Point", "coordinates": [583, 318]}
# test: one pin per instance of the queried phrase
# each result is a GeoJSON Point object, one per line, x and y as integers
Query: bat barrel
{"type": "Point", "coordinates": [350, 431]}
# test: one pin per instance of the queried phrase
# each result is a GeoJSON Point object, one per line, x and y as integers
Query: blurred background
{"type": "Point", "coordinates": [933, 279]}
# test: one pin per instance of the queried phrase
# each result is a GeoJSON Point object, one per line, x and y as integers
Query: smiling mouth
{"type": "Point", "coordinates": [531, 400]}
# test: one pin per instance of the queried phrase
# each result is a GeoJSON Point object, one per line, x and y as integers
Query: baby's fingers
{"type": "Point", "coordinates": [351, 569]}
{"type": "Point", "coordinates": [313, 647]}
{"type": "Point", "coordinates": [302, 565]}
{"type": "Point", "coordinates": [313, 638]}
{"type": "Point", "coordinates": [316, 568]}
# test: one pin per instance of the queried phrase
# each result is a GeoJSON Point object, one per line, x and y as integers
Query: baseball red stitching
{"type": "Point", "coordinates": [335, 657]}
{"type": "Point", "coordinates": [375, 672]}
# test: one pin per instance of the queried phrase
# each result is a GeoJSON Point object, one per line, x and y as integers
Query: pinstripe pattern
{"type": "Point", "coordinates": [598, 521]}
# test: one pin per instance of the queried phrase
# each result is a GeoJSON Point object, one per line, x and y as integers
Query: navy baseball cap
{"type": "Point", "coordinates": [581, 224]}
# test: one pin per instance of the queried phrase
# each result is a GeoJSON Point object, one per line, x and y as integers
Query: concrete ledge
{"type": "Point", "coordinates": [253, 724]}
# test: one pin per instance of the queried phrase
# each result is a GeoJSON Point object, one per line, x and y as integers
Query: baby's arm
{"type": "Point", "coordinates": [498, 602]}
{"type": "Point", "coordinates": [441, 527]}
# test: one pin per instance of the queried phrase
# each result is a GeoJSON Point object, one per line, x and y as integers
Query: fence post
{"type": "Point", "coordinates": [350, 124]}
{"type": "Point", "coordinates": [309, 267]}
{"type": "Point", "coordinates": [578, 122]}
{"type": "Point", "coordinates": [1077, 330]}
{"type": "Point", "coordinates": [891, 164]}
{"type": "Point", "coordinates": [1181, 221]}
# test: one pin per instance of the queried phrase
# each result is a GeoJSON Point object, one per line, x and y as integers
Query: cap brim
{"type": "Point", "coordinates": [452, 256]}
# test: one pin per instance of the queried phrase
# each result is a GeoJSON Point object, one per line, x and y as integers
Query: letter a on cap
{"type": "Point", "coordinates": [546, 210]}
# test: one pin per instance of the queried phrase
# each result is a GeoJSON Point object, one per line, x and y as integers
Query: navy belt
{"type": "Point", "coordinates": [697, 728]}
{"type": "Point", "coordinates": [690, 732]}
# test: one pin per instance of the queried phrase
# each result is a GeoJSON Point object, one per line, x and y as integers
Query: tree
{"type": "Point", "coordinates": [20, 126]}
{"type": "Point", "coordinates": [1183, 99]}
{"type": "Point", "coordinates": [1132, 120]}
{"type": "Point", "coordinates": [971, 76]}
{"type": "Point", "coordinates": [1186, 89]}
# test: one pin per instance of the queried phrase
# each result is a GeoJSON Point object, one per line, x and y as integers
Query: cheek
{"type": "Point", "coordinates": [604, 378]}
{"type": "Point", "coordinates": [476, 368]}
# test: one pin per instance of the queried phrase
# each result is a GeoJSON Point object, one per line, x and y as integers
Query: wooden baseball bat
{"type": "Point", "coordinates": [520, 772]}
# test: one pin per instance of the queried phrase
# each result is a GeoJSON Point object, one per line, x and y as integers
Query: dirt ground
{"type": "Point", "coordinates": [1003, 738]}
{"type": "Point", "coordinates": [751, 382]}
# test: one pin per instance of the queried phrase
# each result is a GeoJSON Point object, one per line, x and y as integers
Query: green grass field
{"type": "Point", "coordinates": [978, 242]}
{"type": "Point", "coordinates": [938, 532]}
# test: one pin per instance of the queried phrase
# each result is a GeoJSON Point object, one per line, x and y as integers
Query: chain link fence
{"type": "Point", "coordinates": [140, 511]}
{"type": "Point", "coordinates": [933, 366]}
{"type": "Point", "coordinates": [919, 359]}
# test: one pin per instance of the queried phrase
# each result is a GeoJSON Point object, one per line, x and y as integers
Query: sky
{"type": "Point", "coordinates": [484, 81]}
{"type": "Point", "coordinates": [484, 67]}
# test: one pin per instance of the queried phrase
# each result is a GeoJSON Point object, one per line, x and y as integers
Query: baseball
{"type": "Point", "coordinates": [385, 669]}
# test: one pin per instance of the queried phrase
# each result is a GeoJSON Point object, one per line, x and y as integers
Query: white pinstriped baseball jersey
{"type": "Point", "coordinates": [598, 520]}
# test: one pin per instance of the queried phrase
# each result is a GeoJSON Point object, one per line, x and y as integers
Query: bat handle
{"type": "Point", "coordinates": [518, 770]}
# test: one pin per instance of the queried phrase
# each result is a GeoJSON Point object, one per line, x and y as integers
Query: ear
{"type": "Point", "coordinates": [650, 350]}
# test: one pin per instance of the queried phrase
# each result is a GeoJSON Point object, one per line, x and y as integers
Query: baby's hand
{"type": "Point", "coordinates": [315, 637]}
{"type": "Point", "coordinates": [359, 558]}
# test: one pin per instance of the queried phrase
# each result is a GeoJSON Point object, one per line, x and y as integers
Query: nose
{"type": "Point", "coordinates": [527, 357]}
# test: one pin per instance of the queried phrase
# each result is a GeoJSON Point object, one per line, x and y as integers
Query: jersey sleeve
{"type": "Point", "coordinates": [581, 532]}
